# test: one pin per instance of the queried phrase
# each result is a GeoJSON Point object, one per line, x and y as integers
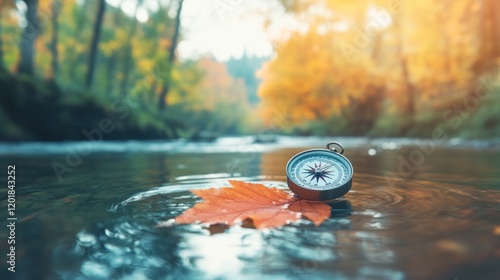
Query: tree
{"type": "Point", "coordinates": [75, 50]}
{"type": "Point", "coordinates": [489, 36]}
{"type": "Point", "coordinates": [127, 58]}
{"type": "Point", "coordinates": [30, 33]}
{"type": "Point", "coordinates": [56, 8]}
{"type": "Point", "coordinates": [171, 58]}
{"type": "Point", "coordinates": [94, 43]}
{"type": "Point", "coordinates": [1, 42]}
{"type": "Point", "coordinates": [410, 60]}
{"type": "Point", "coordinates": [111, 44]}
{"type": "Point", "coordinates": [245, 68]}
{"type": "Point", "coordinates": [405, 72]}
{"type": "Point", "coordinates": [9, 32]}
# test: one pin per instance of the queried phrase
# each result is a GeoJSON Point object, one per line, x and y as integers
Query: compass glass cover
{"type": "Point", "coordinates": [319, 170]}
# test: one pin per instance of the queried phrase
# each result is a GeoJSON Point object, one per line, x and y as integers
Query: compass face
{"type": "Point", "coordinates": [319, 170]}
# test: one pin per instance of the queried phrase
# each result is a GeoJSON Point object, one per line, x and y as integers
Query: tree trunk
{"type": "Point", "coordinates": [56, 8]}
{"type": "Point", "coordinates": [171, 58]}
{"type": "Point", "coordinates": [27, 45]}
{"type": "Point", "coordinates": [410, 94]}
{"type": "Point", "coordinates": [496, 27]}
{"type": "Point", "coordinates": [74, 58]}
{"type": "Point", "coordinates": [94, 44]}
{"type": "Point", "coordinates": [405, 72]}
{"type": "Point", "coordinates": [111, 70]}
{"type": "Point", "coordinates": [490, 37]}
{"type": "Point", "coordinates": [113, 59]}
{"type": "Point", "coordinates": [127, 58]}
{"type": "Point", "coordinates": [2, 66]}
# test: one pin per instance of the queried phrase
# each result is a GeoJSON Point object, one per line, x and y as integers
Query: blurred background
{"type": "Point", "coordinates": [162, 69]}
{"type": "Point", "coordinates": [232, 89]}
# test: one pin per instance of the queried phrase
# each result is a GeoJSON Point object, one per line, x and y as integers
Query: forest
{"type": "Point", "coordinates": [391, 68]}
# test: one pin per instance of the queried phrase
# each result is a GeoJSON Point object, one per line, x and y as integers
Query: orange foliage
{"type": "Point", "coordinates": [349, 54]}
{"type": "Point", "coordinates": [216, 87]}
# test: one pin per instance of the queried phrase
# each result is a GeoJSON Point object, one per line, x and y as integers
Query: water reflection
{"type": "Point", "coordinates": [118, 251]}
{"type": "Point", "coordinates": [421, 221]}
{"type": "Point", "coordinates": [100, 222]}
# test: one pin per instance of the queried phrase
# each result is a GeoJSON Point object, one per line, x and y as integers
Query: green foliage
{"type": "Point", "coordinates": [389, 123]}
{"type": "Point", "coordinates": [227, 119]}
{"type": "Point", "coordinates": [483, 121]}
{"type": "Point", "coordinates": [33, 109]}
{"type": "Point", "coordinates": [132, 68]}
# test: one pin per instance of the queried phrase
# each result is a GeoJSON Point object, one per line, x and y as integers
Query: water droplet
{"type": "Point", "coordinates": [372, 152]}
{"type": "Point", "coordinates": [121, 236]}
{"type": "Point", "coordinates": [375, 225]}
{"type": "Point", "coordinates": [86, 239]}
{"type": "Point", "coordinates": [95, 270]}
{"type": "Point", "coordinates": [372, 213]}
{"type": "Point", "coordinates": [167, 223]}
{"type": "Point", "coordinates": [108, 233]}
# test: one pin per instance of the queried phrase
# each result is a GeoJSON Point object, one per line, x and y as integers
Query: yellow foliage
{"type": "Point", "coordinates": [353, 53]}
{"type": "Point", "coordinates": [146, 65]}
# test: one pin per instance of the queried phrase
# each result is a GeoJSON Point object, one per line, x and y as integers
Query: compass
{"type": "Point", "coordinates": [320, 174]}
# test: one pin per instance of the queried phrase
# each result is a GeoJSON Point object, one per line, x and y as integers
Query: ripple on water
{"type": "Point", "coordinates": [372, 229]}
{"type": "Point", "coordinates": [415, 218]}
{"type": "Point", "coordinates": [121, 249]}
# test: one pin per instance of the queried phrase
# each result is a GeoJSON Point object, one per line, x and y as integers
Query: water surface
{"type": "Point", "coordinates": [439, 219]}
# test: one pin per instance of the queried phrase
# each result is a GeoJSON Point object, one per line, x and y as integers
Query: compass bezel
{"type": "Point", "coordinates": [320, 194]}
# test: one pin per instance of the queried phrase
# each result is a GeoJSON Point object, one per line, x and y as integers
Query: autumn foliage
{"type": "Point", "coordinates": [266, 207]}
{"type": "Point", "coordinates": [338, 67]}
{"type": "Point", "coordinates": [380, 67]}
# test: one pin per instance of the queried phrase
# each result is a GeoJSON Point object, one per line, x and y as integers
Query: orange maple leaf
{"type": "Point", "coordinates": [266, 207]}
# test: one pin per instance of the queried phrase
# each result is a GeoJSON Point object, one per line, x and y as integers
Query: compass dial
{"type": "Point", "coordinates": [319, 173]}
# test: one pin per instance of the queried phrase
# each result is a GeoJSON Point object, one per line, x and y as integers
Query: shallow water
{"type": "Point", "coordinates": [438, 221]}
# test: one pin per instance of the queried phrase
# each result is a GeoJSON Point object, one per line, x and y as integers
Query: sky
{"type": "Point", "coordinates": [221, 28]}
{"type": "Point", "coordinates": [224, 28]}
